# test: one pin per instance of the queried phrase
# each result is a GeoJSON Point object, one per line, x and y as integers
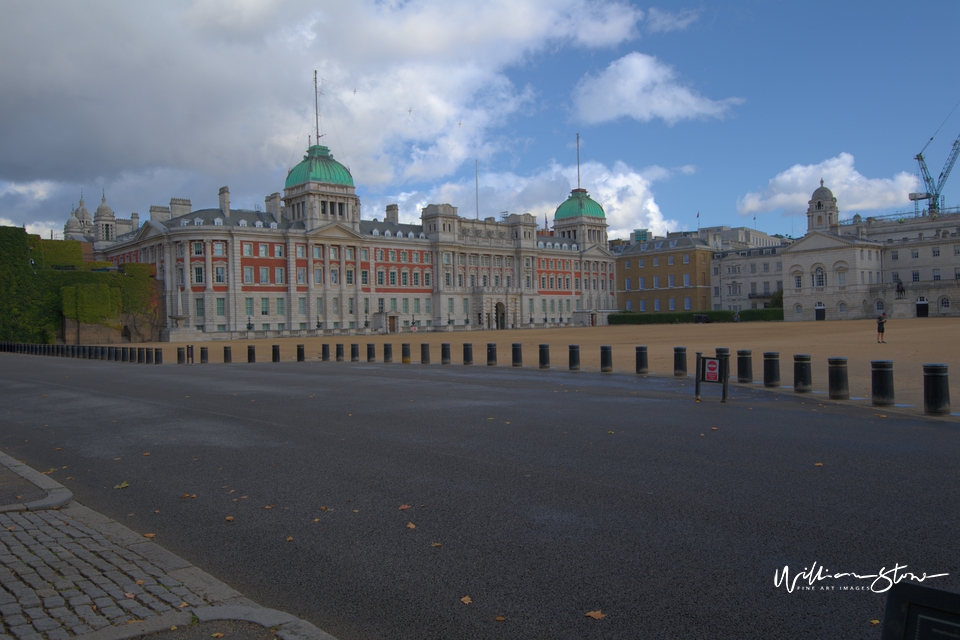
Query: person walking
{"type": "Point", "coordinates": [882, 320]}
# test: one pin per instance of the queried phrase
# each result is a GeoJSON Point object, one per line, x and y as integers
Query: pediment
{"type": "Point", "coordinates": [818, 241]}
{"type": "Point", "coordinates": [333, 232]}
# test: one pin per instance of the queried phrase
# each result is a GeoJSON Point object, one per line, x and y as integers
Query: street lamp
{"type": "Point", "coordinates": [249, 324]}
{"type": "Point", "coordinates": [449, 319]}
{"type": "Point", "coordinates": [318, 323]}
{"type": "Point", "coordinates": [366, 320]}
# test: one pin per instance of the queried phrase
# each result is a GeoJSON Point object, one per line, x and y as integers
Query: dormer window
{"type": "Point", "coordinates": [410, 235]}
{"type": "Point", "coordinates": [422, 236]}
{"type": "Point", "coordinates": [673, 243]}
{"type": "Point", "coordinates": [184, 223]}
{"type": "Point", "coordinates": [273, 225]}
{"type": "Point", "coordinates": [218, 222]}
{"type": "Point", "coordinates": [574, 246]}
{"type": "Point", "coordinates": [242, 223]}
{"type": "Point", "coordinates": [375, 232]}
{"type": "Point", "coordinates": [198, 221]}
{"type": "Point", "coordinates": [387, 233]}
{"type": "Point", "coordinates": [540, 244]}
{"type": "Point", "coordinates": [258, 224]}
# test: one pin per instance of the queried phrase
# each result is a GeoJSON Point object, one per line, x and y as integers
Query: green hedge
{"type": "Point", "coordinates": [761, 315]}
{"type": "Point", "coordinates": [90, 303]}
{"type": "Point", "coordinates": [32, 304]}
{"type": "Point", "coordinates": [62, 253]}
{"type": "Point", "coordinates": [667, 318]}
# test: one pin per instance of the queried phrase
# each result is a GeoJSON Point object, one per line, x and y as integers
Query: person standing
{"type": "Point", "coordinates": [882, 320]}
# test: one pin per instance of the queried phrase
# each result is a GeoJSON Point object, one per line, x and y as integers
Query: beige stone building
{"type": "Point", "coordinates": [664, 274]}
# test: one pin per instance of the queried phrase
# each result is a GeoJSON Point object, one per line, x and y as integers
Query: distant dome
{"type": "Point", "coordinates": [319, 166]}
{"type": "Point", "coordinates": [72, 223]}
{"type": "Point", "coordinates": [822, 193]}
{"type": "Point", "coordinates": [104, 211]}
{"type": "Point", "coordinates": [578, 204]}
{"type": "Point", "coordinates": [81, 213]}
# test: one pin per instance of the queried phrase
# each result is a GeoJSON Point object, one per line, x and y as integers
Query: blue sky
{"type": "Point", "coordinates": [734, 111]}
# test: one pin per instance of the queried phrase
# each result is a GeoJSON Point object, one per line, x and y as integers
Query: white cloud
{"type": "Point", "coordinates": [42, 229]}
{"type": "Point", "coordinates": [623, 192]}
{"type": "Point", "coordinates": [663, 21]}
{"type": "Point", "coordinates": [790, 190]}
{"type": "Point", "coordinates": [38, 190]}
{"type": "Point", "coordinates": [642, 87]}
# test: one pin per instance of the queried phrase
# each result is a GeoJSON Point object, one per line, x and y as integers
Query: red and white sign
{"type": "Point", "coordinates": [712, 370]}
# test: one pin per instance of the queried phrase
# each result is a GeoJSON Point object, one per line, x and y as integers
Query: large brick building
{"type": "Point", "coordinates": [308, 263]}
{"type": "Point", "coordinates": [665, 274]}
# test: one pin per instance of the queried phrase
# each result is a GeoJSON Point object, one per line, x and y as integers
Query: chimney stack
{"type": "Point", "coordinates": [135, 220]}
{"type": "Point", "coordinates": [225, 201]}
{"type": "Point", "coordinates": [393, 214]}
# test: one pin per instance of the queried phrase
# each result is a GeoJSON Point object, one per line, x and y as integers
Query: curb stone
{"type": "Point", "coordinates": [220, 601]}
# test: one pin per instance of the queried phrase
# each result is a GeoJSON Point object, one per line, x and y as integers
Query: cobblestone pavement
{"type": "Point", "coordinates": [69, 571]}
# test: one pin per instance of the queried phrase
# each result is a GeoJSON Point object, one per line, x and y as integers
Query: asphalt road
{"type": "Point", "coordinates": [540, 495]}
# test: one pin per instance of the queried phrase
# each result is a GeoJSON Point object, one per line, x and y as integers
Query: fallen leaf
{"type": "Point", "coordinates": [316, 519]}
{"type": "Point", "coordinates": [323, 508]}
{"type": "Point", "coordinates": [156, 510]}
{"type": "Point", "coordinates": [610, 432]}
{"type": "Point", "coordinates": [243, 497]}
{"type": "Point", "coordinates": [122, 485]}
{"type": "Point", "coordinates": [182, 605]}
{"type": "Point", "coordinates": [818, 464]}
{"type": "Point", "coordinates": [116, 458]}
{"type": "Point", "coordinates": [466, 599]}
{"type": "Point", "coordinates": [701, 435]}
{"type": "Point", "coordinates": [94, 607]}
{"type": "Point", "coordinates": [874, 622]}
{"type": "Point", "coordinates": [216, 635]}
{"type": "Point", "coordinates": [596, 615]}
{"type": "Point", "coordinates": [147, 453]}
{"type": "Point", "coordinates": [404, 507]}
{"type": "Point", "coordinates": [268, 506]}
{"type": "Point", "coordinates": [139, 582]}
{"type": "Point", "coordinates": [289, 538]}
{"type": "Point", "coordinates": [129, 595]}
{"type": "Point", "coordinates": [133, 621]}
{"type": "Point", "coordinates": [713, 428]}
{"type": "Point", "coordinates": [11, 528]}
{"type": "Point", "coordinates": [149, 535]}
{"type": "Point", "coordinates": [356, 510]}
{"type": "Point", "coordinates": [173, 628]}
{"type": "Point", "coordinates": [499, 618]}
{"type": "Point", "coordinates": [410, 525]}
{"type": "Point", "coordinates": [435, 544]}
{"type": "Point", "coordinates": [229, 518]}
{"type": "Point", "coordinates": [57, 449]}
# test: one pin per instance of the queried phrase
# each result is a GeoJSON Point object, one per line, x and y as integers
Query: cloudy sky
{"type": "Point", "coordinates": [735, 110]}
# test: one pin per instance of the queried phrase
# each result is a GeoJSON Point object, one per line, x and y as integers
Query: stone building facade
{"type": "Point", "coordinates": [309, 264]}
{"type": "Point", "coordinates": [665, 274]}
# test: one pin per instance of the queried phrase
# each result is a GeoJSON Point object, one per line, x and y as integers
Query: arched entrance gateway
{"type": "Point", "coordinates": [500, 316]}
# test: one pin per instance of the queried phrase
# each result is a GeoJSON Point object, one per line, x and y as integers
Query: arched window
{"type": "Point", "coordinates": [819, 205]}
{"type": "Point", "coordinates": [879, 305]}
{"type": "Point", "coordinates": [387, 233]}
{"type": "Point", "coordinates": [798, 310]}
{"type": "Point", "coordinates": [819, 277]}
{"type": "Point", "coordinates": [944, 303]}
{"type": "Point", "coordinates": [842, 307]}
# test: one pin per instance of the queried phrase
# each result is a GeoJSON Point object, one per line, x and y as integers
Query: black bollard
{"type": "Point", "coordinates": [371, 352]}
{"type": "Point", "coordinates": [181, 355]}
{"type": "Point", "coordinates": [189, 354]}
{"type": "Point", "coordinates": [802, 376]}
{"type": "Point", "coordinates": [745, 366]}
{"type": "Point", "coordinates": [444, 353]}
{"type": "Point", "coordinates": [125, 355]}
{"type": "Point", "coordinates": [325, 352]}
{"type": "Point", "coordinates": [111, 353]}
{"type": "Point", "coordinates": [936, 390]}
{"type": "Point", "coordinates": [149, 359]}
{"type": "Point", "coordinates": [517, 354]}
{"type": "Point", "coordinates": [339, 353]}
{"type": "Point", "coordinates": [881, 374]}
{"type": "Point", "coordinates": [251, 353]}
{"type": "Point", "coordinates": [227, 355]}
{"type": "Point", "coordinates": [387, 353]}
{"type": "Point", "coordinates": [424, 353]}
{"type": "Point", "coordinates": [204, 355]}
{"type": "Point", "coordinates": [643, 365]}
{"type": "Point", "coordinates": [141, 355]}
{"type": "Point", "coordinates": [158, 356]}
{"type": "Point", "coordinates": [837, 382]}
{"type": "Point", "coordinates": [680, 361]}
{"type": "Point", "coordinates": [405, 353]}
{"type": "Point", "coordinates": [574, 358]}
{"type": "Point", "coordinates": [606, 359]}
{"type": "Point", "coordinates": [771, 368]}
{"type": "Point", "coordinates": [301, 353]}
{"type": "Point", "coordinates": [491, 354]}
{"type": "Point", "coordinates": [544, 356]}
{"type": "Point", "coordinates": [354, 353]}
{"type": "Point", "coordinates": [467, 353]}
{"type": "Point", "coordinates": [276, 353]}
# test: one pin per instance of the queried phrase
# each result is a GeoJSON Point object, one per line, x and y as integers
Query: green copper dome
{"type": "Point", "coordinates": [578, 204]}
{"type": "Point", "coordinates": [319, 166]}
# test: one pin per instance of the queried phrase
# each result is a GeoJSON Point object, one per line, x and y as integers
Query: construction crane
{"type": "Point", "coordinates": [934, 189]}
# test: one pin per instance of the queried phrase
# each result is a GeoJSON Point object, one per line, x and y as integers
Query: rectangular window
{"type": "Point", "coordinates": [686, 258]}
{"type": "Point", "coordinates": [220, 274]}
{"type": "Point", "coordinates": [248, 249]}
{"type": "Point", "coordinates": [393, 304]}
{"type": "Point", "coordinates": [198, 248]}
{"type": "Point", "coordinates": [671, 304]}
{"type": "Point", "coordinates": [936, 252]}
{"type": "Point", "coordinates": [404, 278]}
{"type": "Point", "coordinates": [319, 306]}
{"type": "Point", "coordinates": [642, 283]}
{"type": "Point", "coordinates": [334, 276]}
{"type": "Point", "coordinates": [364, 277]}
{"type": "Point", "coordinates": [626, 265]}
{"type": "Point", "coordinates": [349, 253]}
{"type": "Point", "coordinates": [406, 305]}
{"type": "Point", "coordinates": [318, 253]}
{"type": "Point", "coordinates": [198, 275]}
{"type": "Point", "coordinates": [656, 262]}
{"type": "Point", "coordinates": [670, 280]}
{"type": "Point", "coordinates": [221, 306]}
{"type": "Point", "coordinates": [350, 306]}
{"type": "Point", "coordinates": [334, 253]}
{"type": "Point", "coordinates": [686, 279]}
{"type": "Point", "coordinates": [278, 251]}
{"type": "Point", "coordinates": [264, 275]}
{"type": "Point", "coordinates": [686, 303]}
{"type": "Point", "coordinates": [349, 276]}
{"type": "Point", "coordinates": [280, 306]}
{"type": "Point", "coordinates": [317, 275]}
{"type": "Point", "coordinates": [301, 275]}
{"type": "Point", "coordinates": [753, 288]}
{"type": "Point", "coordinates": [936, 274]}
{"type": "Point", "coordinates": [336, 306]}
{"type": "Point", "coordinates": [221, 327]}
{"type": "Point", "coordinates": [797, 282]}
{"type": "Point", "coordinates": [643, 305]}
{"type": "Point", "coordinates": [380, 278]}
{"type": "Point", "coordinates": [915, 253]}
{"type": "Point", "coordinates": [894, 255]}
{"type": "Point", "coordinates": [200, 308]}
{"type": "Point", "coordinates": [220, 249]}
{"type": "Point", "coordinates": [626, 284]}
{"type": "Point", "coordinates": [264, 306]}
{"type": "Point", "coordinates": [364, 254]}
{"type": "Point", "coordinates": [656, 282]}
{"type": "Point", "coordinates": [670, 260]}
{"type": "Point", "coordinates": [302, 306]}
{"type": "Point", "coordinates": [915, 276]}
{"type": "Point", "coordinates": [656, 304]}
{"type": "Point", "coordinates": [393, 278]}
{"type": "Point", "coordinates": [248, 275]}
{"type": "Point", "coordinates": [301, 251]}
{"type": "Point", "coordinates": [416, 278]}
{"type": "Point", "coordinates": [716, 291]}
{"type": "Point", "coordinates": [279, 274]}
{"type": "Point", "coordinates": [248, 305]}
{"type": "Point", "coordinates": [416, 305]}
{"type": "Point", "coordinates": [262, 251]}
{"type": "Point", "coordinates": [640, 264]}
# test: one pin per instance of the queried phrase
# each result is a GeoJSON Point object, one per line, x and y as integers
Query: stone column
{"type": "Point", "coordinates": [292, 293]}
{"type": "Point", "coordinates": [327, 323]}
